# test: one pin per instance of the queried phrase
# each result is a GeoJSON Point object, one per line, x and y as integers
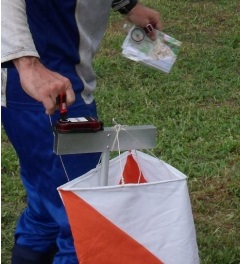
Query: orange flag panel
{"type": "Point", "coordinates": [98, 240]}
{"type": "Point", "coordinates": [132, 173]}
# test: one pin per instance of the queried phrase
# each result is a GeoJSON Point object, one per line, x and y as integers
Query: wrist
{"type": "Point", "coordinates": [124, 6]}
{"type": "Point", "coordinates": [24, 62]}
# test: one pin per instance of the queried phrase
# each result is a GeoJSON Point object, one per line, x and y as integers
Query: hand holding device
{"type": "Point", "coordinates": [74, 124]}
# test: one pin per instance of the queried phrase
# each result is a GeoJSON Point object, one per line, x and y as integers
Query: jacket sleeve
{"type": "Point", "coordinates": [16, 38]}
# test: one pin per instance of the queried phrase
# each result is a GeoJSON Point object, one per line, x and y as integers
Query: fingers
{"type": "Point", "coordinates": [154, 23]}
{"type": "Point", "coordinates": [49, 105]}
{"type": "Point", "coordinates": [158, 26]}
{"type": "Point", "coordinates": [61, 85]}
{"type": "Point", "coordinates": [146, 18]}
{"type": "Point", "coordinates": [70, 95]}
{"type": "Point", "coordinates": [43, 84]}
{"type": "Point", "coordinates": [149, 30]}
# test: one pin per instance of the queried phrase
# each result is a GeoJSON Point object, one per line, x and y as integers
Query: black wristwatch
{"type": "Point", "coordinates": [124, 6]}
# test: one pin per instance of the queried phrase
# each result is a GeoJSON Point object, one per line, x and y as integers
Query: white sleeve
{"type": "Point", "coordinates": [16, 38]}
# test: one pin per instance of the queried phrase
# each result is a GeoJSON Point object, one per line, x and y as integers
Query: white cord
{"type": "Point", "coordinates": [60, 157]}
{"type": "Point", "coordinates": [118, 129]}
{"type": "Point", "coordinates": [122, 127]}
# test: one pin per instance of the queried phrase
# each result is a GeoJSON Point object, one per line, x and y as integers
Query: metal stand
{"type": "Point", "coordinates": [110, 139]}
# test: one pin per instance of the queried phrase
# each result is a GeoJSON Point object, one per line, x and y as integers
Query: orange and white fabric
{"type": "Point", "coordinates": [143, 216]}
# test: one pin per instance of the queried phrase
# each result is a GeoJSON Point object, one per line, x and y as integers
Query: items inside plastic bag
{"type": "Point", "coordinates": [160, 53]}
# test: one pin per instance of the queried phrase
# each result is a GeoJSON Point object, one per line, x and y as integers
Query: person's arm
{"type": "Point", "coordinates": [16, 38]}
{"type": "Point", "coordinates": [18, 47]}
{"type": "Point", "coordinates": [138, 14]}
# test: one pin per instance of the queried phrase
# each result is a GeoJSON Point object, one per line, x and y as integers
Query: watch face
{"type": "Point", "coordinates": [138, 34]}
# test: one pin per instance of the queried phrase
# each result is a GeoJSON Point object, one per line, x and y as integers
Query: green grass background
{"type": "Point", "coordinates": [196, 109]}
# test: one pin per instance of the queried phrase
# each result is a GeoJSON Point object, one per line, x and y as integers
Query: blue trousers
{"type": "Point", "coordinates": [43, 227]}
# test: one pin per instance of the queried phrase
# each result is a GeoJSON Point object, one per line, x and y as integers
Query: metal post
{"type": "Point", "coordinates": [104, 168]}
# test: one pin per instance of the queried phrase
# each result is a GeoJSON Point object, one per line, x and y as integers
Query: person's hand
{"type": "Point", "coordinates": [142, 16]}
{"type": "Point", "coordinates": [42, 84]}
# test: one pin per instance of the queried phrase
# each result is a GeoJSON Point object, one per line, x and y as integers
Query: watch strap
{"type": "Point", "coordinates": [124, 6]}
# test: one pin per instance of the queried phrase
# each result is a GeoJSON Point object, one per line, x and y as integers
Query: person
{"type": "Point", "coordinates": [47, 50]}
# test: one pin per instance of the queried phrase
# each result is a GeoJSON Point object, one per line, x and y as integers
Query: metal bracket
{"type": "Point", "coordinates": [110, 139]}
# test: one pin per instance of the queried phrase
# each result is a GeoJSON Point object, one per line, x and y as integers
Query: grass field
{"type": "Point", "coordinates": [196, 109]}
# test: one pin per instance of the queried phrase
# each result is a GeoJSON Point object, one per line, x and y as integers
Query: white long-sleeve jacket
{"type": "Point", "coordinates": [65, 35]}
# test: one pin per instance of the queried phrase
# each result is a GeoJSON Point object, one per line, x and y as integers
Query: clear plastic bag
{"type": "Point", "coordinates": [160, 53]}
